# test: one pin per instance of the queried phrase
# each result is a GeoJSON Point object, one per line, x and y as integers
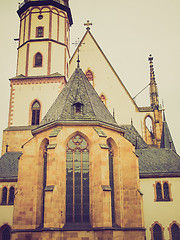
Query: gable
{"type": "Point", "coordinates": [106, 80]}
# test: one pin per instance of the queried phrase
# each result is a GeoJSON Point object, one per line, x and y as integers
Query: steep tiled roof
{"type": "Point", "coordinates": [78, 90]}
{"type": "Point", "coordinates": [158, 162]}
{"type": "Point", "coordinates": [9, 165]}
{"type": "Point", "coordinates": [166, 139]}
{"type": "Point", "coordinates": [132, 135]}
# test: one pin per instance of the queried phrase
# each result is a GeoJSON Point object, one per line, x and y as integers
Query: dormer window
{"type": "Point", "coordinates": [78, 107]}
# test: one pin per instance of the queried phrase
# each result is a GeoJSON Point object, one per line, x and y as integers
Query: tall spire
{"type": "Point", "coordinates": [153, 86]}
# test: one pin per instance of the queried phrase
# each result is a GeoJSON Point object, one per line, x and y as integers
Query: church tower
{"type": "Point", "coordinates": [43, 59]}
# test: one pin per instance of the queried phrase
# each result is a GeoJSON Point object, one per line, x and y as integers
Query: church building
{"type": "Point", "coordinates": [80, 159]}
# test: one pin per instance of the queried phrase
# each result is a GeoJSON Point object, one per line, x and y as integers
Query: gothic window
{"type": "Point", "coordinates": [40, 32]}
{"type": "Point", "coordinates": [38, 60]}
{"type": "Point", "coordinates": [175, 232]}
{"type": "Point", "coordinates": [77, 180]}
{"type": "Point", "coordinates": [111, 180]}
{"type": "Point", "coordinates": [90, 77]}
{"type": "Point", "coordinates": [35, 113]}
{"type": "Point", "coordinates": [158, 191]}
{"type": "Point", "coordinates": [4, 196]}
{"type": "Point", "coordinates": [6, 233]}
{"type": "Point", "coordinates": [166, 191]}
{"type": "Point", "coordinates": [11, 196]}
{"type": "Point", "coordinates": [162, 191]}
{"type": "Point", "coordinates": [149, 124]}
{"type": "Point", "coordinates": [103, 98]}
{"type": "Point", "coordinates": [157, 232]}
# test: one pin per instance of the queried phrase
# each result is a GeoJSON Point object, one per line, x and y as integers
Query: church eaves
{"type": "Point", "coordinates": [78, 103]}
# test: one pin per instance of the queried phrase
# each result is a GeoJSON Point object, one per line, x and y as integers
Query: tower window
{"type": "Point", "coordinates": [35, 113]}
{"type": "Point", "coordinates": [77, 181]}
{"type": "Point", "coordinates": [40, 32]}
{"type": "Point", "coordinates": [11, 196]}
{"type": "Point", "coordinates": [38, 60]}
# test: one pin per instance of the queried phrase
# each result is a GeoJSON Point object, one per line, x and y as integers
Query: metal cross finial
{"type": "Point", "coordinates": [77, 43]}
{"type": "Point", "coordinates": [88, 24]}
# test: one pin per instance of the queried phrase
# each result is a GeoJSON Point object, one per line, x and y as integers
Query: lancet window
{"type": "Point", "coordinates": [111, 180]}
{"type": "Point", "coordinates": [77, 180]}
{"type": "Point", "coordinates": [175, 232]}
{"type": "Point", "coordinates": [157, 232]}
{"type": "Point", "coordinates": [36, 113]}
{"type": "Point", "coordinates": [11, 196]}
{"type": "Point", "coordinates": [4, 196]}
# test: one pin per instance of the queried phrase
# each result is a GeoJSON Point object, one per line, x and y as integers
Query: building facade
{"type": "Point", "coordinates": [79, 159]}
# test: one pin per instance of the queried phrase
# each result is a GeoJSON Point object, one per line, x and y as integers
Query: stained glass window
{"type": "Point", "coordinates": [77, 180]}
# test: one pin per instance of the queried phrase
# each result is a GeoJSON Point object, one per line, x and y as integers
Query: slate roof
{"type": "Point", "coordinates": [132, 135]}
{"type": "Point", "coordinates": [9, 165]}
{"type": "Point", "coordinates": [158, 162]}
{"type": "Point", "coordinates": [78, 90]}
{"type": "Point", "coordinates": [166, 139]}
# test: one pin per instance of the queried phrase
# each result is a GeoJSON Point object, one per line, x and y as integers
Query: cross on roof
{"type": "Point", "coordinates": [78, 43]}
{"type": "Point", "coordinates": [88, 24]}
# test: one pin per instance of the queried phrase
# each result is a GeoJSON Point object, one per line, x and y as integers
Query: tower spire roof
{"type": "Point", "coordinates": [153, 86]}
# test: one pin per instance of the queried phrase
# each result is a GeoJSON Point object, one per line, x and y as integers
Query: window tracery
{"type": "Point", "coordinates": [77, 180]}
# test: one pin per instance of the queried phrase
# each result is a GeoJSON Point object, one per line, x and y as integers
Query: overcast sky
{"type": "Point", "coordinates": [127, 32]}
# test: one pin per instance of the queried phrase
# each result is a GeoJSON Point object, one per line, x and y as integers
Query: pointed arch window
{"type": "Point", "coordinates": [38, 60]}
{"type": "Point", "coordinates": [162, 191]}
{"type": "Point", "coordinates": [175, 232]}
{"type": "Point", "coordinates": [36, 113]}
{"type": "Point", "coordinates": [77, 180]}
{"type": "Point", "coordinates": [4, 196]}
{"type": "Point", "coordinates": [158, 191]}
{"type": "Point", "coordinates": [103, 98]}
{"type": "Point", "coordinates": [157, 232]}
{"type": "Point", "coordinates": [111, 180]}
{"type": "Point", "coordinates": [166, 191]}
{"type": "Point", "coordinates": [90, 77]}
{"type": "Point", "coordinates": [11, 196]}
{"type": "Point", "coordinates": [6, 233]}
